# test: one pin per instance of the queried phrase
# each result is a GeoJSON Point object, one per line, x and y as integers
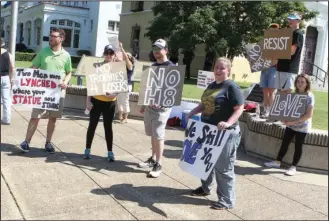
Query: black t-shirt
{"type": "Point", "coordinates": [292, 65]}
{"type": "Point", "coordinates": [5, 64]}
{"type": "Point", "coordinates": [219, 101]}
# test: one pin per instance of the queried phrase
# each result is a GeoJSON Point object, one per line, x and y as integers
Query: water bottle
{"type": "Point", "coordinates": [257, 109]}
{"type": "Point", "coordinates": [88, 111]}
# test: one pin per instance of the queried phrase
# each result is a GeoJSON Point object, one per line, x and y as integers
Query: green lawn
{"type": "Point", "coordinates": [320, 115]}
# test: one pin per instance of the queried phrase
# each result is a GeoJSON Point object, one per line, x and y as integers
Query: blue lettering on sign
{"type": "Point", "coordinates": [190, 151]}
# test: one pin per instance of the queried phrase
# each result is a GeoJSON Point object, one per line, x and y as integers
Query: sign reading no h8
{"type": "Point", "coordinates": [162, 86]}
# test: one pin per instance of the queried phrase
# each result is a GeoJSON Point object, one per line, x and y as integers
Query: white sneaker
{"type": "Point", "coordinates": [272, 164]}
{"type": "Point", "coordinates": [291, 171]}
{"type": "Point", "coordinates": [156, 171]}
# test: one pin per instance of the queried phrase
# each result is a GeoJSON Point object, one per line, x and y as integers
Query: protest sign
{"type": "Point", "coordinates": [277, 43]}
{"type": "Point", "coordinates": [86, 61]}
{"type": "Point", "coordinates": [255, 58]}
{"type": "Point", "coordinates": [162, 85]}
{"type": "Point", "coordinates": [205, 78]}
{"type": "Point", "coordinates": [288, 106]}
{"type": "Point", "coordinates": [106, 78]}
{"type": "Point", "coordinates": [203, 144]}
{"type": "Point", "coordinates": [37, 88]}
{"type": "Point", "coordinates": [256, 94]}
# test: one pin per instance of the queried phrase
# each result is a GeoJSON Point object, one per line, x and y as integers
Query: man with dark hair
{"type": "Point", "coordinates": [288, 68]}
{"type": "Point", "coordinates": [156, 117]}
{"type": "Point", "coordinates": [55, 59]}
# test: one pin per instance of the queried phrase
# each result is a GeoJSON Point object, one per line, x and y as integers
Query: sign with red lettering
{"type": "Point", "coordinates": [37, 88]}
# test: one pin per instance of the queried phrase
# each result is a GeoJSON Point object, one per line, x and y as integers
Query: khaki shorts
{"type": "Point", "coordinates": [155, 122]}
{"type": "Point", "coordinates": [46, 114]}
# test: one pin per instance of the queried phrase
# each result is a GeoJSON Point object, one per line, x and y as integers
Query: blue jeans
{"type": "Point", "coordinates": [267, 78]}
{"type": "Point", "coordinates": [224, 172]}
{"type": "Point", "coordinates": [6, 99]}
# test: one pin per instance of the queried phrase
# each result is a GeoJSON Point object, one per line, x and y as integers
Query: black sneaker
{"type": "Point", "coordinates": [156, 171]}
{"type": "Point", "coordinates": [24, 147]}
{"type": "Point", "coordinates": [199, 192]}
{"type": "Point", "coordinates": [49, 147]}
{"type": "Point", "coordinates": [147, 164]}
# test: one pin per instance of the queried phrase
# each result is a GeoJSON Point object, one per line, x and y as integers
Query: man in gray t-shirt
{"type": "Point", "coordinates": [155, 117]}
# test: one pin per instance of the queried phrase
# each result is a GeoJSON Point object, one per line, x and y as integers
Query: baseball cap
{"type": "Point", "coordinates": [274, 25]}
{"type": "Point", "coordinates": [109, 48]}
{"type": "Point", "coordinates": [294, 16]}
{"type": "Point", "coordinates": [160, 43]}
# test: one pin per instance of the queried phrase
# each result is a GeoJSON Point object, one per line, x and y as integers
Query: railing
{"type": "Point", "coordinates": [323, 79]}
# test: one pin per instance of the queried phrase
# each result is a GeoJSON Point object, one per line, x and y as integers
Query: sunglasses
{"type": "Point", "coordinates": [109, 53]}
{"type": "Point", "coordinates": [156, 49]}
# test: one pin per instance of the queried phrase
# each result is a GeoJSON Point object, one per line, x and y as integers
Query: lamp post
{"type": "Point", "coordinates": [13, 31]}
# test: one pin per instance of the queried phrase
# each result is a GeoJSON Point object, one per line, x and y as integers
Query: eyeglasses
{"type": "Point", "coordinates": [156, 49]}
{"type": "Point", "coordinates": [54, 36]}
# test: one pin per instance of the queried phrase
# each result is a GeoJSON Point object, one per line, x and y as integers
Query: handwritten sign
{"type": "Point", "coordinates": [256, 94]}
{"type": "Point", "coordinates": [162, 85]}
{"type": "Point", "coordinates": [85, 62]}
{"type": "Point", "coordinates": [256, 59]}
{"type": "Point", "coordinates": [288, 106]}
{"type": "Point", "coordinates": [205, 78]}
{"type": "Point", "coordinates": [37, 89]}
{"type": "Point", "coordinates": [277, 43]}
{"type": "Point", "coordinates": [202, 146]}
{"type": "Point", "coordinates": [106, 78]}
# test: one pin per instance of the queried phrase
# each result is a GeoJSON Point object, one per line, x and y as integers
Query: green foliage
{"type": "Point", "coordinates": [225, 27]}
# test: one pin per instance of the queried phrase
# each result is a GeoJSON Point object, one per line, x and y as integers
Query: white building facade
{"type": "Point", "coordinates": [315, 50]}
{"type": "Point", "coordinates": [87, 25]}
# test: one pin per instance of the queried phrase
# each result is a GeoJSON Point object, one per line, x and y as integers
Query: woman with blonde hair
{"type": "Point", "coordinates": [298, 128]}
{"type": "Point", "coordinates": [7, 79]}
{"type": "Point", "coordinates": [222, 105]}
{"type": "Point", "coordinates": [123, 98]}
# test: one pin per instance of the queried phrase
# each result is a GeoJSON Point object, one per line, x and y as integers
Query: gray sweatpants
{"type": "Point", "coordinates": [224, 172]}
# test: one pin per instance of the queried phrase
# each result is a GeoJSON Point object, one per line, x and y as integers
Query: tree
{"type": "Point", "coordinates": [224, 27]}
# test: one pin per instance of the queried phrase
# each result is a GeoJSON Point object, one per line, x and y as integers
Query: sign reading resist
{"type": "Point", "coordinates": [277, 43]}
{"type": "Point", "coordinates": [162, 86]}
{"type": "Point", "coordinates": [205, 78]}
{"type": "Point", "coordinates": [37, 88]}
{"type": "Point", "coordinates": [288, 106]}
{"type": "Point", "coordinates": [255, 58]}
{"type": "Point", "coordinates": [106, 78]}
{"type": "Point", "coordinates": [202, 146]}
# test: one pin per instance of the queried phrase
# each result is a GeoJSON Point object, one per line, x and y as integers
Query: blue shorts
{"type": "Point", "coordinates": [286, 80]}
{"type": "Point", "coordinates": [267, 78]}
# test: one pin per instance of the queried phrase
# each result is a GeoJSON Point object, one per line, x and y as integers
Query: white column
{"type": "Point", "coordinates": [33, 34]}
{"type": "Point", "coordinates": [13, 33]}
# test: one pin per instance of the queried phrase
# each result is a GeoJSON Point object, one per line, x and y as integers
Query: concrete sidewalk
{"type": "Point", "coordinates": [37, 185]}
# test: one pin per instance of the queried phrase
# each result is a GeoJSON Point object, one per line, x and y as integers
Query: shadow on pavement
{"type": "Point", "coordinates": [95, 164]}
{"type": "Point", "coordinates": [147, 196]}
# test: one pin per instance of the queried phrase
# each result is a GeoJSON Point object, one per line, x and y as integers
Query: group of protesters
{"type": "Point", "coordinates": [222, 103]}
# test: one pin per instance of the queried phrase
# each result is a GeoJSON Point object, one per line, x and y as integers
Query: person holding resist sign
{"type": "Point", "coordinates": [222, 105]}
{"type": "Point", "coordinates": [155, 117]}
{"type": "Point", "coordinates": [55, 59]}
{"type": "Point", "coordinates": [287, 68]}
{"type": "Point", "coordinates": [298, 128]}
{"type": "Point", "coordinates": [7, 65]}
{"type": "Point", "coordinates": [267, 83]}
{"type": "Point", "coordinates": [123, 98]}
{"type": "Point", "coordinates": [105, 105]}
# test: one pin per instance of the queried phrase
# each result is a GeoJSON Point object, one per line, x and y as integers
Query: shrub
{"type": "Point", "coordinates": [20, 56]}
{"type": "Point", "coordinates": [83, 52]}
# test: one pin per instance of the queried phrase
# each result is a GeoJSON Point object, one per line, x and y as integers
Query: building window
{"type": "Point", "coordinates": [137, 6]}
{"type": "Point", "coordinates": [135, 32]}
{"type": "Point", "coordinates": [111, 25]}
{"type": "Point", "coordinates": [76, 3]}
{"type": "Point", "coordinates": [61, 22]}
{"type": "Point", "coordinates": [38, 35]}
{"type": "Point", "coordinates": [53, 22]}
{"type": "Point", "coordinates": [72, 32]}
{"type": "Point", "coordinates": [29, 36]}
{"type": "Point", "coordinates": [117, 28]}
{"type": "Point", "coordinates": [76, 38]}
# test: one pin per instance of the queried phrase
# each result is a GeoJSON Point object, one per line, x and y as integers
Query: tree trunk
{"type": "Point", "coordinates": [187, 60]}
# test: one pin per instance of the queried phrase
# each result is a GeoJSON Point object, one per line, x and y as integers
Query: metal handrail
{"type": "Point", "coordinates": [317, 73]}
